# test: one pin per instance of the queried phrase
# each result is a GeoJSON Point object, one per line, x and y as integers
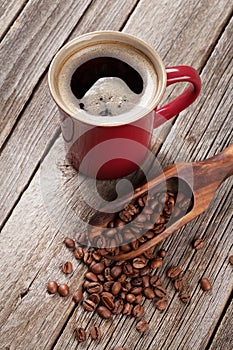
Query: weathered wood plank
{"type": "Point", "coordinates": [27, 49]}
{"type": "Point", "coordinates": [26, 145]}
{"type": "Point", "coordinates": [20, 151]}
{"type": "Point", "coordinates": [39, 244]}
{"type": "Point", "coordinates": [9, 10]}
{"type": "Point", "coordinates": [223, 336]}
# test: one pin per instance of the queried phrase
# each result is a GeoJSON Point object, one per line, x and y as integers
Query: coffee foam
{"type": "Point", "coordinates": [109, 96]}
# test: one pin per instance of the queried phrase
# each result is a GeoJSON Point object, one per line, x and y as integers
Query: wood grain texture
{"type": "Point", "coordinates": [27, 49]}
{"type": "Point", "coordinates": [32, 243]}
{"type": "Point", "coordinates": [223, 336]}
{"type": "Point", "coordinates": [9, 11]}
{"type": "Point", "coordinates": [25, 147]}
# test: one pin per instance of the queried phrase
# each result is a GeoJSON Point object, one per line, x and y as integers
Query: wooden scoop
{"type": "Point", "coordinates": [202, 177]}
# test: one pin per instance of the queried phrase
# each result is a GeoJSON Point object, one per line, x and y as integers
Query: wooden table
{"type": "Point", "coordinates": [34, 223]}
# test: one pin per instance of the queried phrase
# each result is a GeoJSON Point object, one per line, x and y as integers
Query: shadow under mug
{"type": "Point", "coordinates": [115, 146]}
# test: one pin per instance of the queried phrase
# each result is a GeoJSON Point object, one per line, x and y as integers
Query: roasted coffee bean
{"type": "Point", "coordinates": [155, 281]}
{"type": "Point", "coordinates": [125, 216]}
{"type": "Point", "coordinates": [87, 257]}
{"type": "Point", "coordinates": [95, 332]}
{"type": "Point", "coordinates": [127, 309]}
{"type": "Point", "coordinates": [139, 262]}
{"type": "Point", "coordinates": [107, 262]}
{"type": "Point", "coordinates": [78, 253]}
{"type": "Point", "coordinates": [135, 274]}
{"type": "Point", "coordinates": [95, 298]}
{"type": "Point", "coordinates": [100, 241]}
{"type": "Point", "coordinates": [108, 286]}
{"type": "Point", "coordinates": [119, 224]}
{"type": "Point", "coordinates": [174, 272]}
{"type": "Point", "coordinates": [149, 252]}
{"type": "Point", "coordinates": [184, 297]}
{"type": "Point", "coordinates": [138, 299]}
{"type": "Point", "coordinates": [102, 252]}
{"type": "Point", "coordinates": [231, 259]}
{"type": "Point", "coordinates": [138, 311]}
{"type": "Point", "coordinates": [162, 253]}
{"type": "Point", "coordinates": [104, 312]}
{"type": "Point", "coordinates": [178, 284]}
{"type": "Point", "coordinates": [52, 287]}
{"type": "Point", "coordinates": [110, 232]}
{"type": "Point", "coordinates": [107, 274]}
{"type": "Point", "coordinates": [135, 244]}
{"type": "Point", "coordinates": [126, 286]}
{"type": "Point", "coordinates": [128, 269]}
{"type": "Point", "coordinates": [89, 305]}
{"type": "Point", "coordinates": [96, 256]}
{"type": "Point", "coordinates": [145, 271]}
{"type": "Point", "coordinates": [205, 284]}
{"type": "Point", "coordinates": [142, 326]}
{"type": "Point", "coordinates": [116, 272]}
{"type": "Point", "coordinates": [94, 287]}
{"type": "Point", "coordinates": [108, 301]}
{"type": "Point", "coordinates": [161, 304]}
{"type": "Point", "coordinates": [160, 291]}
{"type": "Point", "coordinates": [63, 290]}
{"type": "Point", "coordinates": [69, 242]}
{"type": "Point", "coordinates": [123, 295]}
{"type": "Point", "coordinates": [77, 296]}
{"type": "Point", "coordinates": [101, 278]}
{"type": "Point", "coordinates": [97, 268]}
{"type": "Point", "coordinates": [80, 335]}
{"type": "Point", "coordinates": [125, 248]}
{"type": "Point", "coordinates": [81, 237]}
{"type": "Point", "coordinates": [122, 278]}
{"type": "Point", "coordinates": [146, 281]}
{"type": "Point", "coordinates": [136, 290]}
{"type": "Point", "coordinates": [149, 293]}
{"type": "Point", "coordinates": [198, 244]}
{"type": "Point", "coordinates": [118, 308]}
{"type": "Point", "coordinates": [130, 298]}
{"type": "Point", "coordinates": [86, 284]}
{"type": "Point", "coordinates": [67, 267]}
{"type": "Point", "coordinates": [116, 288]}
{"type": "Point", "coordinates": [156, 263]}
{"type": "Point", "coordinates": [136, 282]}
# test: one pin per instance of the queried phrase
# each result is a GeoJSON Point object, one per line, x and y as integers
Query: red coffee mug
{"type": "Point", "coordinates": [112, 147]}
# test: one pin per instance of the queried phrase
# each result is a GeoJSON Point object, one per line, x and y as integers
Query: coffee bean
{"type": "Point", "coordinates": [155, 281]}
{"type": "Point", "coordinates": [104, 312]}
{"type": "Point", "coordinates": [138, 299]}
{"type": "Point", "coordinates": [101, 278]}
{"type": "Point", "coordinates": [95, 332]}
{"type": "Point", "coordinates": [178, 284]}
{"type": "Point", "coordinates": [135, 244]}
{"type": "Point", "coordinates": [94, 287]}
{"type": "Point", "coordinates": [136, 290]}
{"type": "Point", "coordinates": [87, 257]}
{"type": "Point", "coordinates": [231, 259]}
{"type": "Point", "coordinates": [127, 309]}
{"type": "Point", "coordinates": [174, 272]}
{"type": "Point", "coordinates": [161, 304]}
{"type": "Point", "coordinates": [128, 269]}
{"type": "Point", "coordinates": [80, 335]}
{"type": "Point", "coordinates": [52, 287]}
{"type": "Point", "coordinates": [184, 297]}
{"type": "Point", "coordinates": [81, 237]}
{"type": "Point", "coordinates": [116, 271]}
{"type": "Point", "coordinates": [142, 326]}
{"type": "Point", "coordinates": [116, 288]}
{"type": "Point", "coordinates": [69, 242]}
{"type": "Point", "coordinates": [145, 271]}
{"type": "Point", "coordinates": [156, 263]}
{"type": "Point", "coordinates": [63, 290]}
{"type": "Point", "coordinates": [118, 308]}
{"type": "Point", "coordinates": [89, 305]}
{"type": "Point", "coordinates": [108, 286]}
{"type": "Point", "coordinates": [146, 281]}
{"type": "Point", "coordinates": [130, 298]}
{"type": "Point", "coordinates": [108, 301]}
{"type": "Point", "coordinates": [138, 311]}
{"type": "Point", "coordinates": [205, 284]}
{"type": "Point", "coordinates": [198, 244]}
{"type": "Point", "coordinates": [126, 286]}
{"type": "Point", "coordinates": [78, 253]}
{"type": "Point", "coordinates": [162, 253]}
{"type": "Point", "coordinates": [67, 267]}
{"type": "Point", "coordinates": [97, 268]}
{"type": "Point", "coordinates": [106, 262]}
{"type": "Point", "coordinates": [160, 291]}
{"type": "Point", "coordinates": [125, 216]}
{"type": "Point", "coordinates": [95, 298]}
{"type": "Point", "coordinates": [137, 281]}
{"type": "Point", "coordinates": [96, 256]}
{"type": "Point", "coordinates": [139, 262]}
{"type": "Point", "coordinates": [149, 293]}
{"type": "Point", "coordinates": [77, 296]}
{"type": "Point", "coordinates": [149, 252]}
{"type": "Point", "coordinates": [123, 295]}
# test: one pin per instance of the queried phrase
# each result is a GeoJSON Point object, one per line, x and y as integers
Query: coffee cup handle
{"type": "Point", "coordinates": [178, 74]}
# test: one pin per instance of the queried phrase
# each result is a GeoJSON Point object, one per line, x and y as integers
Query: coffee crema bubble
{"type": "Point", "coordinates": [107, 80]}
